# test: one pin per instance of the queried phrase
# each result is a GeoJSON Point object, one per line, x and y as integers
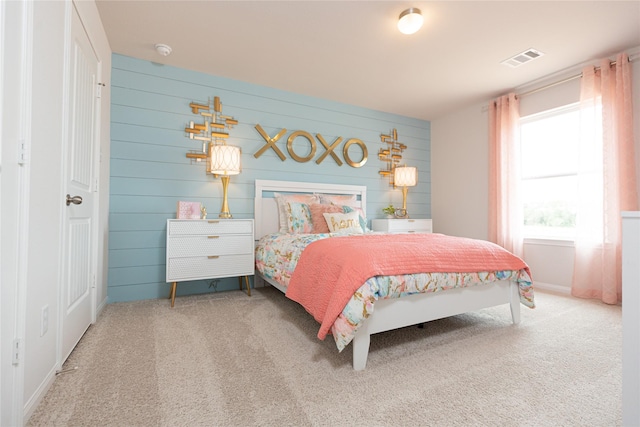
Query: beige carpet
{"type": "Point", "coordinates": [231, 360]}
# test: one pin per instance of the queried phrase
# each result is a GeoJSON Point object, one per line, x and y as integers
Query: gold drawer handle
{"type": "Point", "coordinates": [213, 257]}
{"type": "Point", "coordinates": [412, 220]}
{"type": "Point", "coordinates": [213, 237]}
{"type": "Point", "coordinates": [213, 221]}
{"type": "Point", "coordinates": [411, 231]}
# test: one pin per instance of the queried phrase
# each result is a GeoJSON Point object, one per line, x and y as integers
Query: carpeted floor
{"type": "Point", "coordinates": [231, 360]}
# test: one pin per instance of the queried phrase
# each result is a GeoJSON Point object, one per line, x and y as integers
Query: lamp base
{"type": "Point", "coordinates": [224, 211]}
{"type": "Point", "coordinates": [404, 197]}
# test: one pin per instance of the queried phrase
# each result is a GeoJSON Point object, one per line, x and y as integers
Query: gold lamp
{"type": "Point", "coordinates": [405, 176]}
{"type": "Point", "coordinates": [224, 161]}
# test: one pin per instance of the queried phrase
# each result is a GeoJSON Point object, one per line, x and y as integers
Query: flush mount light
{"type": "Point", "coordinates": [163, 49]}
{"type": "Point", "coordinates": [410, 21]}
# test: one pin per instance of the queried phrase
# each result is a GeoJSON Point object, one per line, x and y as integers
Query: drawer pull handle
{"type": "Point", "coordinates": [412, 220]}
{"type": "Point", "coordinates": [411, 231]}
{"type": "Point", "coordinates": [213, 237]}
{"type": "Point", "coordinates": [213, 257]}
{"type": "Point", "coordinates": [213, 221]}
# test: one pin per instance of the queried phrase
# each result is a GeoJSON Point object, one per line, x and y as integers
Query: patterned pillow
{"type": "Point", "coordinates": [319, 223]}
{"type": "Point", "coordinates": [339, 199]}
{"type": "Point", "coordinates": [298, 218]}
{"type": "Point", "coordinates": [343, 222]}
{"type": "Point", "coordinates": [283, 199]}
{"type": "Point", "coordinates": [361, 218]}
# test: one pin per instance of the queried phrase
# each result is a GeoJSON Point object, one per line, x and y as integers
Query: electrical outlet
{"type": "Point", "coordinates": [44, 320]}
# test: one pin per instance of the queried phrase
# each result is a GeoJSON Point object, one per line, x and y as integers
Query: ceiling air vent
{"type": "Point", "coordinates": [522, 58]}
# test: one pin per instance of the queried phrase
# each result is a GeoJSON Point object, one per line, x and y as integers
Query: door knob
{"type": "Point", "coordinates": [76, 200]}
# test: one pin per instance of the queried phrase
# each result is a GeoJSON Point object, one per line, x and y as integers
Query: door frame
{"type": "Point", "coordinates": [18, 20]}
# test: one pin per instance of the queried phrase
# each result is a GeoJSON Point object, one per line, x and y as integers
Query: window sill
{"type": "Point", "coordinates": [556, 241]}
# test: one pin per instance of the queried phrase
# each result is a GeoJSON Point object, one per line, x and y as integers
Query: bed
{"type": "Point", "coordinates": [434, 295]}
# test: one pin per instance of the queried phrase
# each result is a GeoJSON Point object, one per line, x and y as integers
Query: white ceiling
{"type": "Point", "coordinates": [352, 52]}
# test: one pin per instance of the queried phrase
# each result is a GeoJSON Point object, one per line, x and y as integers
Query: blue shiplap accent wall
{"type": "Point", "coordinates": [150, 173]}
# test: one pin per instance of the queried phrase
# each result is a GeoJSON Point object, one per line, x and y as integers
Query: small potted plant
{"type": "Point", "coordinates": [389, 211]}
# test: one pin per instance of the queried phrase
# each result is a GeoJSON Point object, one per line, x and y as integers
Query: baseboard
{"type": "Point", "coordinates": [552, 288]}
{"type": "Point", "coordinates": [39, 394]}
{"type": "Point", "coordinates": [101, 307]}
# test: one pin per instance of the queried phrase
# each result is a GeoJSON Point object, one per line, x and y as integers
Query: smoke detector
{"type": "Point", "coordinates": [522, 58]}
{"type": "Point", "coordinates": [163, 49]}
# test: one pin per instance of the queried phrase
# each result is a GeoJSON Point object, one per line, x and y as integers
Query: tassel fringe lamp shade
{"type": "Point", "coordinates": [224, 161]}
{"type": "Point", "coordinates": [405, 176]}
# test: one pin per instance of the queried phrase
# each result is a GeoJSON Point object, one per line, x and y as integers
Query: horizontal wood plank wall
{"type": "Point", "coordinates": [150, 173]}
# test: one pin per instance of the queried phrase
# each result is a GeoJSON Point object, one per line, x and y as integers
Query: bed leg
{"type": "Point", "coordinates": [360, 350]}
{"type": "Point", "coordinates": [515, 303]}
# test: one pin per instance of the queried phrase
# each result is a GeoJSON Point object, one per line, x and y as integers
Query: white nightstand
{"type": "Point", "coordinates": [402, 225]}
{"type": "Point", "coordinates": [208, 249]}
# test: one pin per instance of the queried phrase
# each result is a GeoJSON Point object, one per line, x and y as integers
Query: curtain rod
{"type": "Point", "coordinates": [568, 79]}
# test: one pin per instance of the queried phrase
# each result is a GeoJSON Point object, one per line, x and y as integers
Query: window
{"type": "Point", "coordinates": [551, 192]}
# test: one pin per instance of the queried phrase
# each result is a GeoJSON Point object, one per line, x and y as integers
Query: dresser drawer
{"type": "Point", "coordinates": [209, 227]}
{"type": "Point", "coordinates": [402, 225]}
{"type": "Point", "coordinates": [222, 244]}
{"type": "Point", "coordinates": [203, 267]}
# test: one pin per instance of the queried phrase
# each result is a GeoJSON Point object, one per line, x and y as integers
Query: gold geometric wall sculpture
{"type": "Point", "coordinates": [213, 130]}
{"type": "Point", "coordinates": [391, 155]}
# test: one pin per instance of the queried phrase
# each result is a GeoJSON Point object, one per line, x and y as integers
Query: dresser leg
{"type": "Point", "coordinates": [246, 278]}
{"type": "Point", "coordinates": [172, 294]}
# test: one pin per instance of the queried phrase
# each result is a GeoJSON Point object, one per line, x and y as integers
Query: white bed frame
{"type": "Point", "coordinates": [388, 313]}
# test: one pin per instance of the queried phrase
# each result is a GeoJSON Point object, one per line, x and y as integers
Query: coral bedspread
{"type": "Point", "coordinates": [342, 265]}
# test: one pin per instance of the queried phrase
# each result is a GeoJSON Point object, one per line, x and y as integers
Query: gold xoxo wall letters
{"type": "Point", "coordinates": [329, 148]}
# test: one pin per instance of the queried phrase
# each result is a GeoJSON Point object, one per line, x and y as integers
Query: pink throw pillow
{"type": "Point", "coordinates": [317, 217]}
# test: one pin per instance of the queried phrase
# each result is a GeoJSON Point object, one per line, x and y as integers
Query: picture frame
{"type": "Point", "coordinates": [188, 210]}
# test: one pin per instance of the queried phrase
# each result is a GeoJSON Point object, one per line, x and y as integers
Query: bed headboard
{"type": "Point", "coordinates": [266, 210]}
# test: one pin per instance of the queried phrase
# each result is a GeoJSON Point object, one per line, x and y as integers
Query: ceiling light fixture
{"type": "Point", "coordinates": [410, 21]}
{"type": "Point", "coordinates": [163, 49]}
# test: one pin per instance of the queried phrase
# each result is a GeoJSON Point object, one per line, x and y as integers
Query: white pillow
{"type": "Point", "coordinates": [282, 201]}
{"type": "Point", "coordinates": [343, 222]}
{"type": "Point", "coordinates": [339, 199]}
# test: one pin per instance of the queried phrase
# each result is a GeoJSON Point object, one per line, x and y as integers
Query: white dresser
{"type": "Point", "coordinates": [402, 225]}
{"type": "Point", "coordinates": [209, 249]}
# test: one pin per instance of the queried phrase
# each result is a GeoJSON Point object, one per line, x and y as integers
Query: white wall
{"type": "Point", "coordinates": [460, 174]}
{"type": "Point", "coordinates": [31, 197]}
{"type": "Point", "coordinates": [45, 193]}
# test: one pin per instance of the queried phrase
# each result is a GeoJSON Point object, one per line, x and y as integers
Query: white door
{"type": "Point", "coordinates": [79, 218]}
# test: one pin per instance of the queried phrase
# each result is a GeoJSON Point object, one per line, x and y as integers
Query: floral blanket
{"type": "Point", "coordinates": [278, 254]}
